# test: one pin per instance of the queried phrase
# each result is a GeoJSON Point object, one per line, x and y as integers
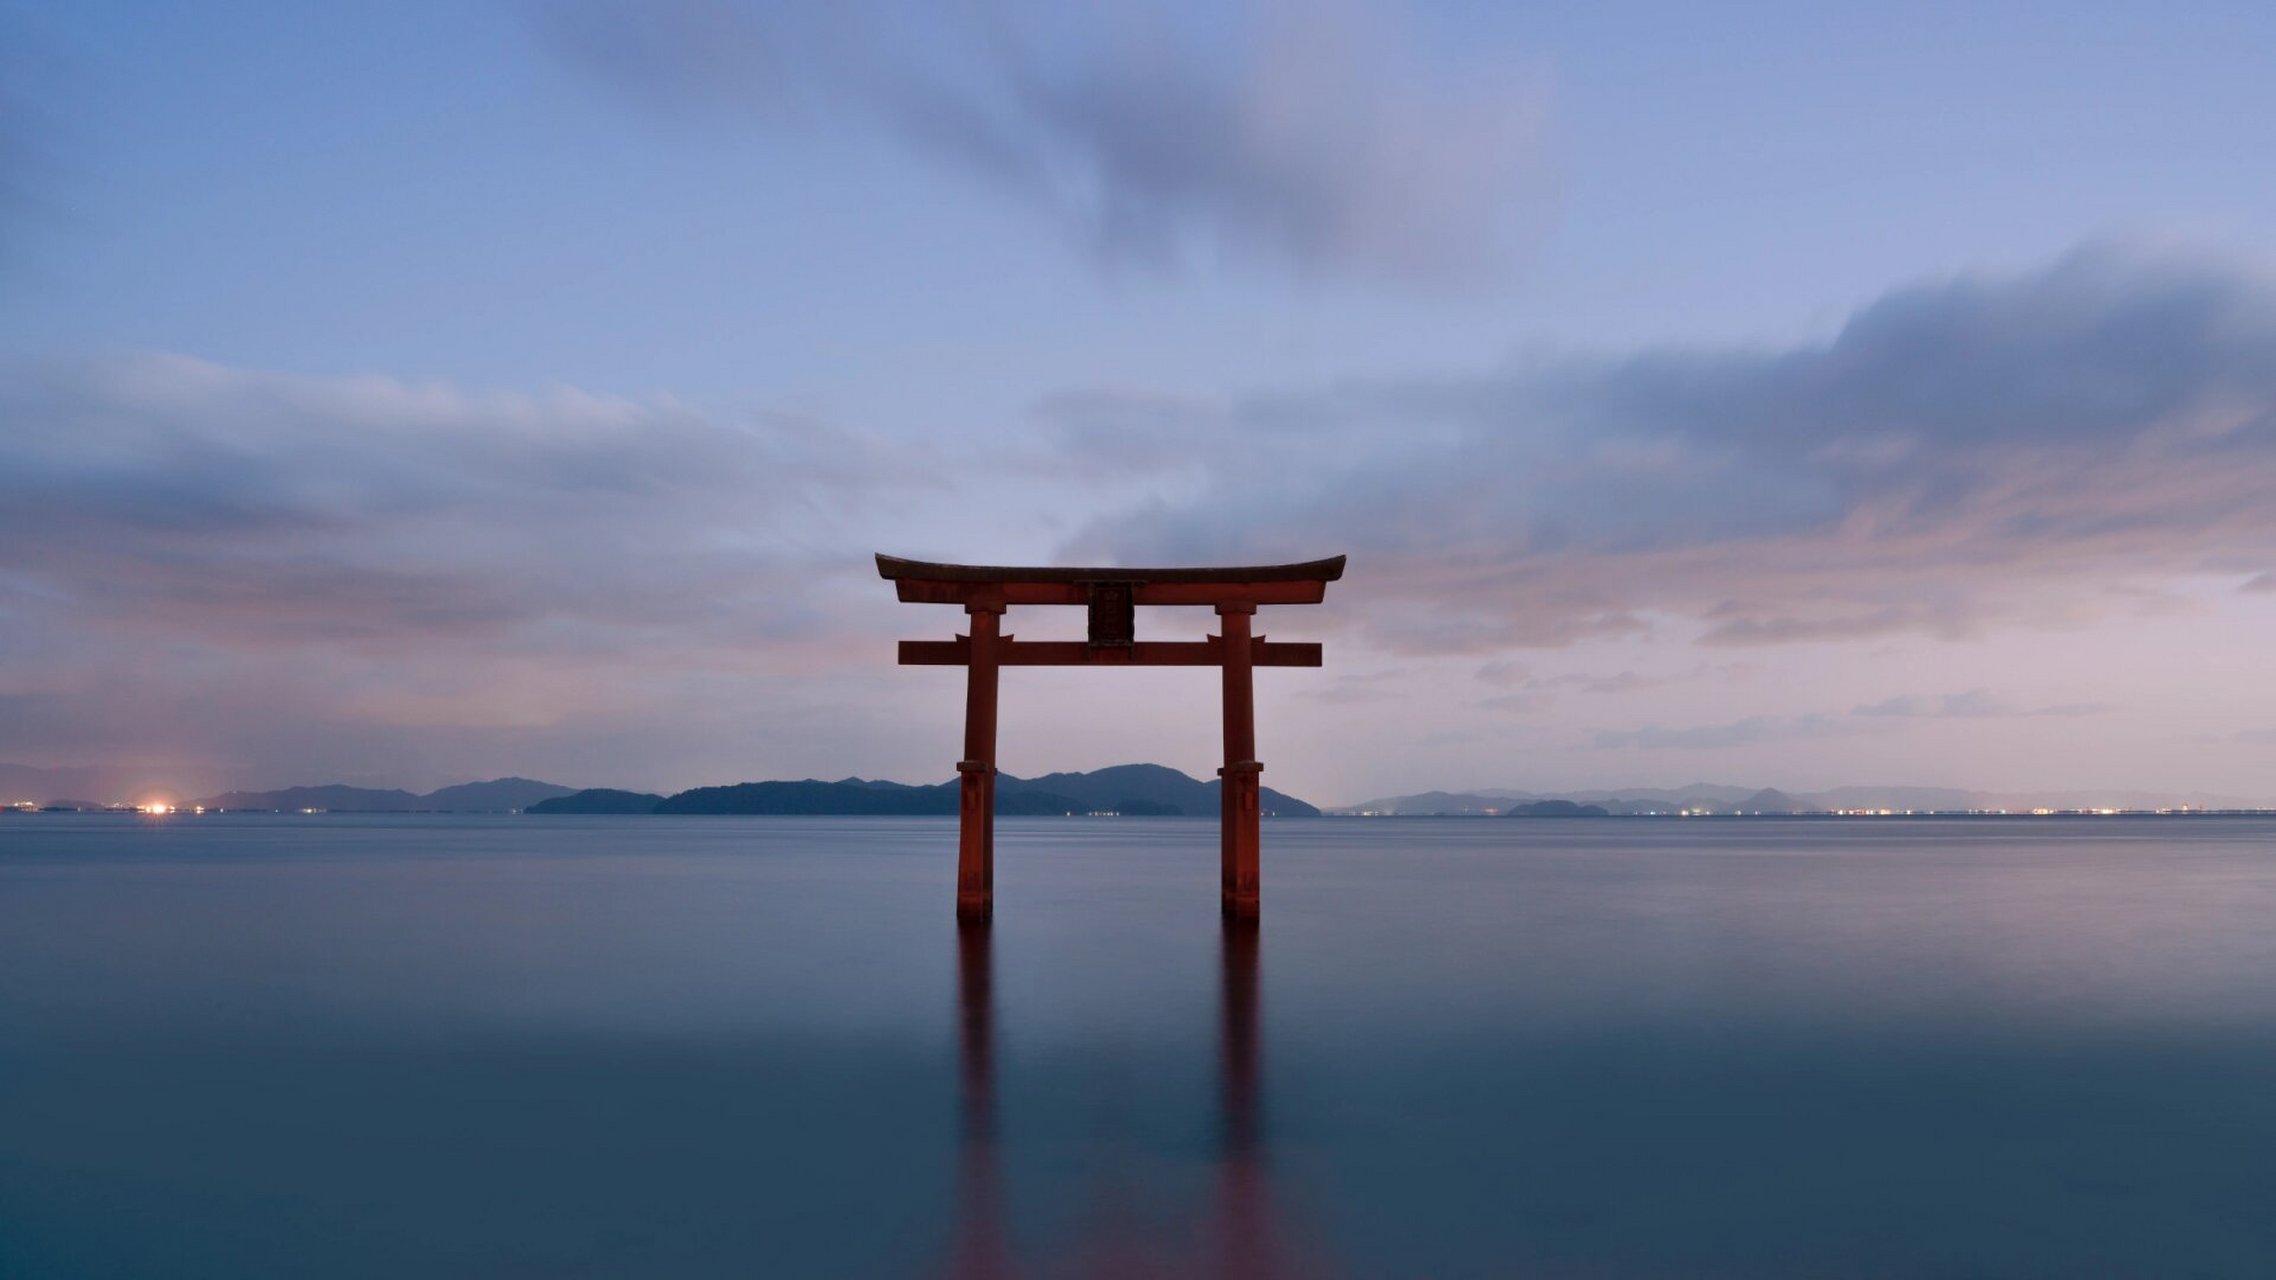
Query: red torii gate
{"type": "Point", "coordinates": [1111, 594]}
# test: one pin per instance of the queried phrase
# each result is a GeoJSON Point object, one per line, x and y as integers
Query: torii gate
{"type": "Point", "coordinates": [1112, 595]}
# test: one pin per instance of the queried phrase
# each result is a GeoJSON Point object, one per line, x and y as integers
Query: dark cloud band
{"type": "Point", "coordinates": [1959, 455]}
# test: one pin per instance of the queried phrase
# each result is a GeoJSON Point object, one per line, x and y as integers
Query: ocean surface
{"type": "Point", "coordinates": [255, 1046]}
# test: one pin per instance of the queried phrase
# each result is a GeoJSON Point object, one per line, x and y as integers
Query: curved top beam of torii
{"type": "Point", "coordinates": [898, 569]}
{"type": "Point", "coordinates": [925, 582]}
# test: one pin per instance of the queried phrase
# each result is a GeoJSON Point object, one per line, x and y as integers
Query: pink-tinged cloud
{"type": "Point", "coordinates": [2041, 449]}
{"type": "Point", "coordinates": [1973, 704]}
{"type": "Point", "coordinates": [299, 574]}
{"type": "Point", "coordinates": [290, 573]}
{"type": "Point", "coordinates": [1870, 718]}
{"type": "Point", "coordinates": [1749, 731]}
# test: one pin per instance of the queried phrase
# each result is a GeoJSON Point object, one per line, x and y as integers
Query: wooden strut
{"type": "Point", "coordinates": [1111, 594]}
{"type": "Point", "coordinates": [1080, 653]}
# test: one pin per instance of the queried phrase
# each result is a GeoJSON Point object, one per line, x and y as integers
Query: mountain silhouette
{"type": "Point", "coordinates": [1137, 790]}
{"type": "Point", "coordinates": [1555, 809]}
{"type": "Point", "coordinates": [500, 795]}
{"type": "Point", "coordinates": [599, 800]}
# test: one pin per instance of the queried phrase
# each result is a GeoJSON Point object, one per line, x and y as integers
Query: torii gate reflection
{"type": "Point", "coordinates": [1111, 594]}
{"type": "Point", "coordinates": [1245, 1229]}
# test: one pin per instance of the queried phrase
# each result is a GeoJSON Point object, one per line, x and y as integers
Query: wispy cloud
{"type": "Point", "coordinates": [238, 507]}
{"type": "Point", "coordinates": [1749, 731]}
{"type": "Point", "coordinates": [1962, 455]}
{"type": "Point", "coordinates": [1355, 689]}
{"type": "Point", "coordinates": [1886, 716]}
{"type": "Point", "coordinates": [340, 559]}
{"type": "Point", "coordinates": [1972, 704]}
{"type": "Point", "coordinates": [367, 552]}
{"type": "Point", "coordinates": [1503, 671]}
{"type": "Point", "coordinates": [1618, 682]}
{"type": "Point", "coordinates": [1318, 137]}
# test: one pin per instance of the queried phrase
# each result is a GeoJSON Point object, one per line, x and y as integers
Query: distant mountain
{"type": "Point", "coordinates": [1772, 800]}
{"type": "Point", "coordinates": [854, 797]}
{"type": "Point", "coordinates": [1499, 800]}
{"type": "Point", "coordinates": [1695, 795]}
{"type": "Point", "coordinates": [1715, 798]}
{"type": "Point", "coordinates": [1439, 804]}
{"type": "Point", "coordinates": [1475, 804]}
{"type": "Point", "coordinates": [502, 795]}
{"type": "Point", "coordinates": [599, 800]}
{"type": "Point", "coordinates": [1135, 789]}
{"type": "Point", "coordinates": [810, 795]}
{"type": "Point", "coordinates": [1154, 789]}
{"type": "Point", "coordinates": [336, 796]}
{"type": "Point", "coordinates": [1556, 809]}
{"type": "Point", "coordinates": [1138, 790]}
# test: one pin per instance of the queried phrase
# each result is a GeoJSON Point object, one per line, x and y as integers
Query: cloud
{"type": "Point", "coordinates": [240, 507]}
{"type": "Point", "coordinates": [1316, 137]}
{"type": "Point", "coordinates": [1962, 455]}
{"type": "Point", "coordinates": [1372, 686]}
{"type": "Point", "coordinates": [1749, 731]}
{"type": "Point", "coordinates": [1502, 671]}
{"type": "Point", "coordinates": [358, 561]}
{"type": "Point", "coordinates": [1878, 717]}
{"type": "Point", "coordinates": [1973, 704]}
{"type": "Point", "coordinates": [241, 562]}
{"type": "Point", "coordinates": [1621, 682]}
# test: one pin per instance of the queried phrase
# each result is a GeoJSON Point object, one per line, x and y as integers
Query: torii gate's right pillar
{"type": "Point", "coordinates": [1239, 818]}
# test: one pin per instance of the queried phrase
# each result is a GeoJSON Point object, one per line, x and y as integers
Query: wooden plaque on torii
{"type": "Point", "coordinates": [1112, 596]}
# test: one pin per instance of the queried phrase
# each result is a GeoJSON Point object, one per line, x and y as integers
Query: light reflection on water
{"type": "Point", "coordinates": [638, 1047]}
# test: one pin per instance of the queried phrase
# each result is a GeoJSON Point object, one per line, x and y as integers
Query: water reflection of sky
{"type": "Point", "coordinates": [434, 1046]}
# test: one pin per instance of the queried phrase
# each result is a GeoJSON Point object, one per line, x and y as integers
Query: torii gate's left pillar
{"type": "Point", "coordinates": [976, 772]}
{"type": "Point", "coordinates": [1239, 791]}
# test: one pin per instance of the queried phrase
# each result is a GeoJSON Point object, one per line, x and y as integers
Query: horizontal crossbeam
{"type": "Point", "coordinates": [1168, 593]}
{"type": "Point", "coordinates": [1076, 653]}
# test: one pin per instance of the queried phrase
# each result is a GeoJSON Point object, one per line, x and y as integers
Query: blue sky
{"type": "Point", "coordinates": [1773, 394]}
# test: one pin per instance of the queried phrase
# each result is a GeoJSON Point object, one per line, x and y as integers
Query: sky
{"type": "Point", "coordinates": [1768, 394]}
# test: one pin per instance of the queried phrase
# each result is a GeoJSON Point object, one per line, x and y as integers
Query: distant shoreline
{"type": "Point", "coordinates": [1816, 816]}
{"type": "Point", "coordinates": [1929, 816]}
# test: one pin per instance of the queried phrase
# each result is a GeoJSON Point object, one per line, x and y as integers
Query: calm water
{"type": "Point", "coordinates": [276, 1046]}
